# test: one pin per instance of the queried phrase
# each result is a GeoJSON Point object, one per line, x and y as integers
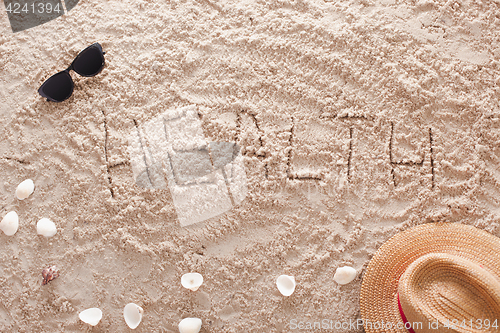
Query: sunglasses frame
{"type": "Point", "coordinates": [71, 68]}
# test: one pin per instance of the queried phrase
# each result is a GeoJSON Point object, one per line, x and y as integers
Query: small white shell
{"type": "Point", "coordinates": [344, 275]}
{"type": "Point", "coordinates": [91, 316]}
{"type": "Point", "coordinates": [10, 223]}
{"type": "Point", "coordinates": [190, 325]}
{"type": "Point", "coordinates": [133, 315]}
{"type": "Point", "coordinates": [192, 281]}
{"type": "Point", "coordinates": [25, 189]}
{"type": "Point", "coordinates": [46, 227]}
{"type": "Point", "coordinates": [286, 284]}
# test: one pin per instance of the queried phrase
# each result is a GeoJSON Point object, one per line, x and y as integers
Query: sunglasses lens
{"type": "Point", "coordinates": [58, 87]}
{"type": "Point", "coordinates": [89, 62]}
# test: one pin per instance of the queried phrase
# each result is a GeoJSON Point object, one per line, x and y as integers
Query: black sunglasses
{"type": "Point", "coordinates": [59, 87]}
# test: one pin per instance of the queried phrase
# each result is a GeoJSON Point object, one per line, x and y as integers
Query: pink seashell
{"type": "Point", "coordinates": [49, 274]}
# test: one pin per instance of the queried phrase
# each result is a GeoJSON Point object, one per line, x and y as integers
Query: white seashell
{"type": "Point", "coordinates": [344, 275]}
{"type": "Point", "coordinates": [133, 315]}
{"type": "Point", "coordinates": [190, 325]}
{"type": "Point", "coordinates": [192, 281]}
{"type": "Point", "coordinates": [10, 223]}
{"type": "Point", "coordinates": [286, 284]}
{"type": "Point", "coordinates": [46, 227]}
{"type": "Point", "coordinates": [91, 316]}
{"type": "Point", "coordinates": [25, 189]}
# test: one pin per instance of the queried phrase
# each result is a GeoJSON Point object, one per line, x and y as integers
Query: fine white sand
{"type": "Point", "coordinates": [356, 120]}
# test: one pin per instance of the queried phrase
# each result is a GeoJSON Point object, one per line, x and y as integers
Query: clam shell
{"type": "Point", "coordinates": [10, 223]}
{"type": "Point", "coordinates": [91, 316]}
{"type": "Point", "coordinates": [25, 189]}
{"type": "Point", "coordinates": [344, 275]}
{"type": "Point", "coordinates": [46, 227]}
{"type": "Point", "coordinates": [133, 315]}
{"type": "Point", "coordinates": [190, 325]}
{"type": "Point", "coordinates": [286, 284]}
{"type": "Point", "coordinates": [192, 281]}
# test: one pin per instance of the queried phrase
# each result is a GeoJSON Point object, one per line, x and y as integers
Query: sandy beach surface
{"type": "Point", "coordinates": [355, 120]}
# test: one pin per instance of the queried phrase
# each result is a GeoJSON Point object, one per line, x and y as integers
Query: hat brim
{"type": "Point", "coordinates": [378, 298]}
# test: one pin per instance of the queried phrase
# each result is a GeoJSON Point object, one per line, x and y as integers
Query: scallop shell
{"type": "Point", "coordinates": [10, 223]}
{"type": "Point", "coordinates": [192, 281]}
{"type": "Point", "coordinates": [133, 315]}
{"type": "Point", "coordinates": [25, 189]}
{"type": "Point", "coordinates": [91, 316]}
{"type": "Point", "coordinates": [190, 325]}
{"type": "Point", "coordinates": [344, 275]}
{"type": "Point", "coordinates": [286, 284]}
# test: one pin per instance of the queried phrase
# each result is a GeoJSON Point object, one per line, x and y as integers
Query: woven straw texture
{"type": "Point", "coordinates": [378, 299]}
{"type": "Point", "coordinates": [441, 288]}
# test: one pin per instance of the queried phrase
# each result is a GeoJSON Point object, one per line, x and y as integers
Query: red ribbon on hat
{"type": "Point", "coordinates": [404, 317]}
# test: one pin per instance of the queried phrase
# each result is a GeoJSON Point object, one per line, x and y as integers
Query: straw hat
{"type": "Point", "coordinates": [431, 276]}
